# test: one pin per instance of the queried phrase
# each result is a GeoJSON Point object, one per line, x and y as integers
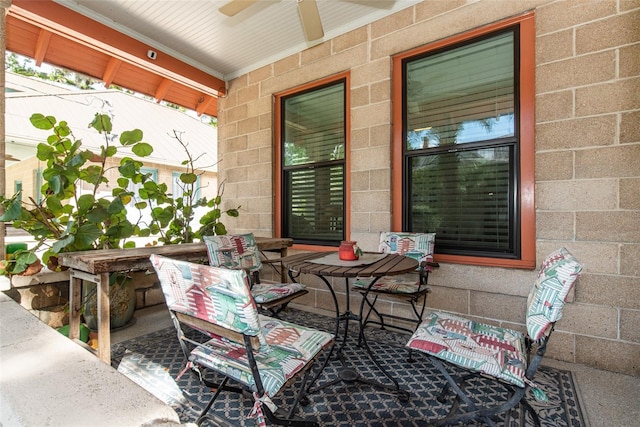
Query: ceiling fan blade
{"type": "Point", "coordinates": [235, 6]}
{"type": "Point", "coordinates": [310, 18]}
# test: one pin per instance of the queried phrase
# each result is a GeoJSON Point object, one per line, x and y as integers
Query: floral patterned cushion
{"type": "Point", "coordinates": [291, 348]}
{"type": "Point", "coordinates": [414, 245]}
{"type": "Point", "coordinates": [556, 278]}
{"type": "Point", "coordinates": [419, 246]}
{"type": "Point", "coordinates": [495, 351]}
{"type": "Point", "coordinates": [267, 292]}
{"type": "Point", "coordinates": [217, 295]}
{"type": "Point", "coordinates": [221, 296]}
{"type": "Point", "coordinates": [233, 251]}
{"type": "Point", "coordinates": [241, 251]}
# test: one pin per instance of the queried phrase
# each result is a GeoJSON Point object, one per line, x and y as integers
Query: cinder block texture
{"type": "Point", "coordinates": [587, 159]}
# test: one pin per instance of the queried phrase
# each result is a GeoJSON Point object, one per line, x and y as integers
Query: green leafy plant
{"type": "Point", "coordinates": [173, 217]}
{"type": "Point", "coordinates": [70, 215]}
{"type": "Point", "coordinates": [73, 214]}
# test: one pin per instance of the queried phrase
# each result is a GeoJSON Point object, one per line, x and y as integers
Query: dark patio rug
{"type": "Point", "coordinates": [155, 360]}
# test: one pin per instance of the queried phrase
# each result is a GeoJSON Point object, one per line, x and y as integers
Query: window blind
{"type": "Point", "coordinates": [465, 198]}
{"type": "Point", "coordinates": [313, 158]}
{"type": "Point", "coordinates": [461, 96]}
{"type": "Point", "coordinates": [461, 147]}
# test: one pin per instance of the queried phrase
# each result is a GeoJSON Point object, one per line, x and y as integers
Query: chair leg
{"type": "Point", "coordinates": [204, 415]}
{"type": "Point", "coordinates": [471, 411]}
{"type": "Point", "coordinates": [301, 393]}
{"type": "Point", "coordinates": [290, 419]}
{"type": "Point", "coordinates": [528, 408]}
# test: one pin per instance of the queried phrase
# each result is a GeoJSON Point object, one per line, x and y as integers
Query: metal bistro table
{"type": "Point", "coordinates": [327, 264]}
{"type": "Point", "coordinates": [96, 266]}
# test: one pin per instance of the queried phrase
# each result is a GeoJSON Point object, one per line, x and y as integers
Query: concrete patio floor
{"type": "Point", "coordinates": [608, 399]}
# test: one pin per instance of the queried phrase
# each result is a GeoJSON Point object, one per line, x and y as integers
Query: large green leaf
{"type": "Point", "coordinates": [127, 169]}
{"type": "Point", "coordinates": [44, 152]}
{"type": "Point", "coordinates": [101, 123]}
{"type": "Point", "coordinates": [150, 185]}
{"type": "Point", "coordinates": [121, 230]}
{"type": "Point", "coordinates": [86, 235]}
{"type": "Point", "coordinates": [220, 229]}
{"type": "Point", "coordinates": [162, 215]}
{"type": "Point", "coordinates": [98, 215]}
{"type": "Point", "coordinates": [13, 210]}
{"type": "Point", "coordinates": [40, 121]}
{"type": "Point", "coordinates": [55, 184]}
{"type": "Point", "coordinates": [130, 137]}
{"type": "Point", "coordinates": [61, 244]}
{"type": "Point", "coordinates": [116, 206]}
{"type": "Point", "coordinates": [123, 182]}
{"type": "Point", "coordinates": [76, 161]}
{"type": "Point", "coordinates": [54, 204]}
{"type": "Point", "coordinates": [142, 149]}
{"type": "Point", "coordinates": [110, 151]}
{"type": "Point", "coordinates": [188, 178]}
{"type": "Point", "coordinates": [85, 203]}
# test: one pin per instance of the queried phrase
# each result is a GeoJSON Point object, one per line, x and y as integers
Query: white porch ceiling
{"type": "Point", "coordinates": [195, 32]}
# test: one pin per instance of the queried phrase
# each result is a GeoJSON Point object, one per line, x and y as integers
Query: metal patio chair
{"type": "Point", "coordinates": [509, 357]}
{"type": "Point", "coordinates": [260, 354]}
{"type": "Point", "coordinates": [410, 290]}
{"type": "Point", "coordinates": [240, 251]}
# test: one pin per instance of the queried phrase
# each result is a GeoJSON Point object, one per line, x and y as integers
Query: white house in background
{"type": "Point", "coordinates": [26, 96]}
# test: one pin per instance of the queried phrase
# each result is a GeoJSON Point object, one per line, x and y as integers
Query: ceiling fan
{"type": "Point", "coordinates": [308, 10]}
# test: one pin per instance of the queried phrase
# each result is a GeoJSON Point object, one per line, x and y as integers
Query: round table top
{"type": "Point", "coordinates": [369, 265]}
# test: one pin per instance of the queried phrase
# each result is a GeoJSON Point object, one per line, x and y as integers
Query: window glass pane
{"type": "Point", "coordinates": [178, 187]}
{"type": "Point", "coordinates": [314, 126]}
{"type": "Point", "coordinates": [461, 95]}
{"type": "Point", "coordinates": [461, 147]}
{"type": "Point", "coordinates": [313, 147]}
{"type": "Point", "coordinates": [38, 182]}
{"type": "Point", "coordinates": [17, 187]}
{"type": "Point", "coordinates": [316, 203]}
{"type": "Point", "coordinates": [465, 198]}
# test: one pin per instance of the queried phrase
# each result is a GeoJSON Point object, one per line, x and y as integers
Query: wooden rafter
{"type": "Point", "coordinates": [41, 46]}
{"type": "Point", "coordinates": [48, 32]}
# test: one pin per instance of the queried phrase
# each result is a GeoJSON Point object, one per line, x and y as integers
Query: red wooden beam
{"type": "Point", "coordinates": [60, 20]}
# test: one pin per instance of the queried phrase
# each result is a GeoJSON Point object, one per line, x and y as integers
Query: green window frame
{"type": "Point", "coordinates": [177, 186]}
{"type": "Point", "coordinates": [134, 187]}
{"type": "Point", "coordinates": [37, 184]}
{"type": "Point", "coordinates": [17, 187]}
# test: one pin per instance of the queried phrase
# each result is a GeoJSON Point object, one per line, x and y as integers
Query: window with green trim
{"type": "Point", "coordinates": [17, 187]}
{"type": "Point", "coordinates": [178, 187]}
{"type": "Point", "coordinates": [37, 184]}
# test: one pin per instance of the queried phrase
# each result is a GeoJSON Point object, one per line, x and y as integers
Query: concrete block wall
{"type": "Point", "coordinates": [587, 160]}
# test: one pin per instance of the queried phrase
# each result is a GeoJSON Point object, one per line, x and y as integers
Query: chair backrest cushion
{"type": "Point", "coordinates": [217, 295]}
{"type": "Point", "coordinates": [556, 278]}
{"type": "Point", "coordinates": [418, 246]}
{"type": "Point", "coordinates": [233, 251]}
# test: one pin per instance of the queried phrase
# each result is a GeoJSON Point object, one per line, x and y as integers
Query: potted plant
{"type": "Point", "coordinates": [71, 214]}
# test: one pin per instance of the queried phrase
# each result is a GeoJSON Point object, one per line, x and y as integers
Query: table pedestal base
{"type": "Point", "coordinates": [351, 376]}
{"type": "Point", "coordinates": [315, 263]}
